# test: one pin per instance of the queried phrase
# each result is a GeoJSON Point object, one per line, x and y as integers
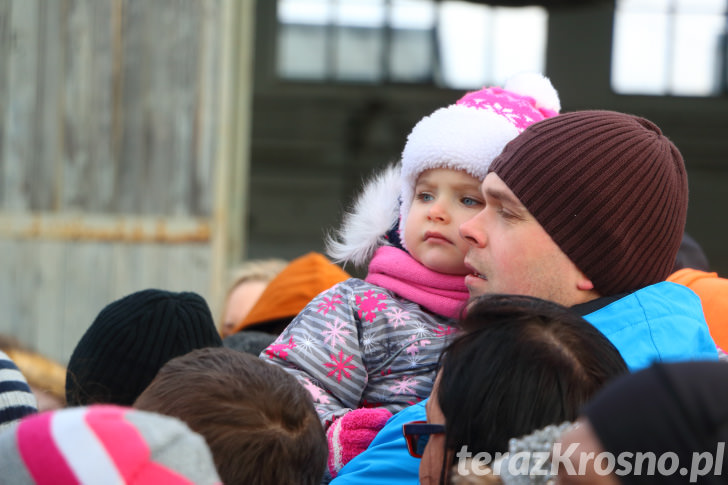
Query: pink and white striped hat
{"type": "Point", "coordinates": [104, 444]}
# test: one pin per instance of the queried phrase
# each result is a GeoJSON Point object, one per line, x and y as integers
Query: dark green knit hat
{"type": "Point", "coordinates": [131, 339]}
{"type": "Point", "coordinates": [609, 188]}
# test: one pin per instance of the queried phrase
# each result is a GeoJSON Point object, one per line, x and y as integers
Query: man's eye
{"type": "Point", "coordinates": [505, 214]}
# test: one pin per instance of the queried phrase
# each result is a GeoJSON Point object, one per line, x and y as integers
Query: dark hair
{"type": "Point", "coordinates": [259, 422]}
{"type": "Point", "coordinates": [522, 363]}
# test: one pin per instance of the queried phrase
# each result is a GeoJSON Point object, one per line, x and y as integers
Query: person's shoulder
{"type": "Point", "coordinates": [650, 301]}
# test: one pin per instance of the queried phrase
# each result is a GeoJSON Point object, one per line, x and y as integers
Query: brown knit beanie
{"type": "Point", "coordinates": [608, 188]}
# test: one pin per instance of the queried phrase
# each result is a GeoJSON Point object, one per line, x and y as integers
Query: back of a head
{"type": "Point", "coordinates": [678, 408]}
{"type": "Point", "coordinates": [609, 188]}
{"type": "Point", "coordinates": [259, 422]}
{"type": "Point", "coordinates": [522, 363]}
{"type": "Point", "coordinates": [131, 339]}
{"type": "Point", "coordinates": [104, 444]}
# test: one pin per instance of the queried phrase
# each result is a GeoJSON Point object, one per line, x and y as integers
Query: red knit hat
{"type": "Point", "coordinates": [609, 188]}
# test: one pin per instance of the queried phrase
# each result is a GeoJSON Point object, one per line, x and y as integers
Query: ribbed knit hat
{"type": "Point", "coordinates": [16, 398]}
{"type": "Point", "coordinates": [104, 444]}
{"type": "Point", "coordinates": [131, 339]}
{"type": "Point", "coordinates": [609, 188]}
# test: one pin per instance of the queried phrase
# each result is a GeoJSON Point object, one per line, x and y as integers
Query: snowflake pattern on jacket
{"type": "Point", "coordinates": [360, 345]}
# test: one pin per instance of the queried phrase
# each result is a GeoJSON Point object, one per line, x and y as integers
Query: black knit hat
{"type": "Point", "coordinates": [679, 408]}
{"type": "Point", "coordinates": [609, 189]}
{"type": "Point", "coordinates": [131, 339]}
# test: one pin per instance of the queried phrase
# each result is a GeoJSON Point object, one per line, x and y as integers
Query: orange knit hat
{"type": "Point", "coordinates": [293, 288]}
{"type": "Point", "coordinates": [713, 293]}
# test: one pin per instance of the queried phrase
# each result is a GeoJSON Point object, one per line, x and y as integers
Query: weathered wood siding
{"type": "Point", "coordinates": [108, 144]}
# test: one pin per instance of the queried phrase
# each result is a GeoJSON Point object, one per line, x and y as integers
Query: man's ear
{"type": "Point", "coordinates": [584, 283]}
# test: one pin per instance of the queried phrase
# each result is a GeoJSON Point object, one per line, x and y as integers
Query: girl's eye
{"type": "Point", "coordinates": [470, 202]}
{"type": "Point", "coordinates": [424, 196]}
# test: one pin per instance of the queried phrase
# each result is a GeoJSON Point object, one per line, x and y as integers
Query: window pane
{"type": "Point", "coordinates": [654, 6]}
{"type": "Point", "coordinates": [704, 6]}
{"type": "Point", "coordinates": [358, 54]}
{"type": "Point", "coordinates": [412, 42]}
{"type": "Point", "coordinates": [413, 14]}
{"type": "Point", "coordinates": [360, 13]}
{"type": "Point", "coordinates": [518, 53]}
{"type": "Point", "coordinates": [639, 53]}
{"type": "Point", "coordinates": [466, 45]}
{"type": "Point", "coordinates": [317, 12]}
{"type": "Point", "coordinates": [411, 56]}
{"type": "Point", "coordinates": [479, 47]}
{"type": "Point", "coordinates": [697, 54]}
{"type": "Point", "coordinates": [302, 52]}
{"type": "Point", "coordinates": [465, 37]}
{"type": "Point", "coordinates": [669, 47]}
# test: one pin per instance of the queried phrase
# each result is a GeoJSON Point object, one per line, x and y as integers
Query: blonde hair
{"type": "Point", "coordinates": [263, 270]}
{"type": "Point", "coordinates": [255, 270]}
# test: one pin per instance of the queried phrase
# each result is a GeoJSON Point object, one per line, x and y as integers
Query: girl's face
{"type": "Point", "coordinates": [443, 200]}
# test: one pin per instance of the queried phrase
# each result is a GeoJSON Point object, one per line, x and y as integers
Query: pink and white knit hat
{"type": "Point", "coordinates": [104, 444]}
{"type": "Point", "coordinates": [469, 134]}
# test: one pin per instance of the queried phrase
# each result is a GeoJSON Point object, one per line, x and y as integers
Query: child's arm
{"type": "Point", "coordinates": [321, 349]}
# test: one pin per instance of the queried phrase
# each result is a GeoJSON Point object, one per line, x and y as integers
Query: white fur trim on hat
{"type": "Point", "coordinates": [375, 212]}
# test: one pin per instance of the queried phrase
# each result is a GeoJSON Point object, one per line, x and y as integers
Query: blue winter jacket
{"type": "Point", "coordinates": [662, 322]}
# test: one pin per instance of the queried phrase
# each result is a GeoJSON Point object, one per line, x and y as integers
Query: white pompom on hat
{"type": "Point", "coordinates": [469, 134]}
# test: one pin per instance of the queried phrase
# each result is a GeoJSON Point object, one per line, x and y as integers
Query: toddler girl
{"type": "Point", "coordinates": [375, 343]}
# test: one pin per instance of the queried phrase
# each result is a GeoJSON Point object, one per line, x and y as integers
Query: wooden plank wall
{"type": "Point", "coordinates": [108, 139]}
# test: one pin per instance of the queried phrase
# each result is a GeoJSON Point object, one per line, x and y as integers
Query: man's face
{"type": "Point", "coordinates": [511, 253]}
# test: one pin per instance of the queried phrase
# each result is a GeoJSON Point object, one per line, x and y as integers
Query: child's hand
{"type": "Point", "coordinates": [351, 434]}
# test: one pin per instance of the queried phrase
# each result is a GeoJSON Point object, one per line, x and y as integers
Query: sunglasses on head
{"type": "Point", "coordinates": [417, 434]}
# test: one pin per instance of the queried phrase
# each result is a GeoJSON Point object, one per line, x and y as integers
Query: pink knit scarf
{"type": "Point", "coordinates": [396, 270]}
